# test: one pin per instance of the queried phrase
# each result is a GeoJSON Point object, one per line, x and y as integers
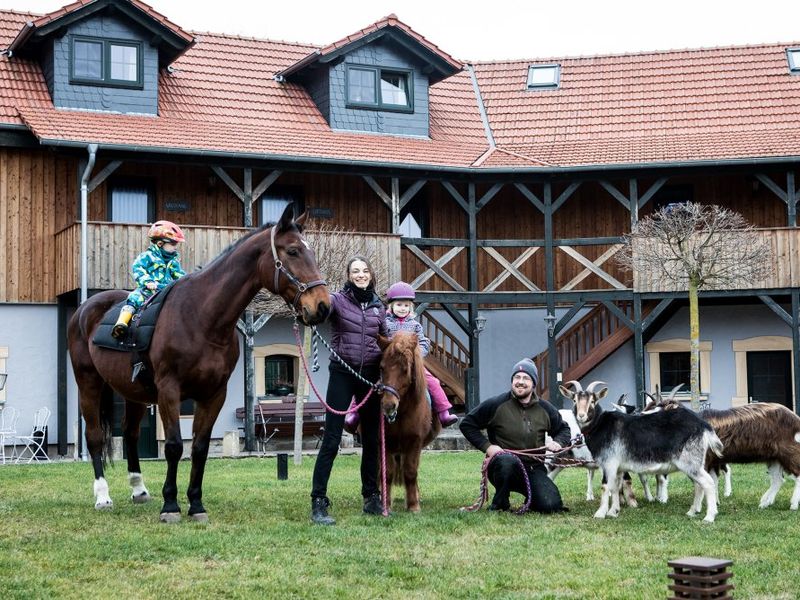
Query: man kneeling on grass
{"type": "Point", "coordinates": [517, 420]}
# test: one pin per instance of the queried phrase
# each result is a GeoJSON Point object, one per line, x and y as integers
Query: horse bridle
{"type": "Point", "coordinates": [302, 288]}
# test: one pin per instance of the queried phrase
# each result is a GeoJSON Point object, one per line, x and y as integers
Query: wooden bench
{"type": "Point", "coordinates": [276, 419]}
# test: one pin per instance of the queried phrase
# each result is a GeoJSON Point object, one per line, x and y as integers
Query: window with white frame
{"type": "Point", "coordinates": [793, 55]}
{"type": "Point", "coordinates": [543, 76]}
{"type": "Point", "coordinates": [277, 367]}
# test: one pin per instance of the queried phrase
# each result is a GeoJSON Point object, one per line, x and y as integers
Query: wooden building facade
{"type": "Point", "coordinates": [486, 211]}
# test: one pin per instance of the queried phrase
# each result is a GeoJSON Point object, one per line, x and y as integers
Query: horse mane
{"type": "Point", "coordinates": [244, 238]}
{"type": "Point", "coordinates": [405, 345]}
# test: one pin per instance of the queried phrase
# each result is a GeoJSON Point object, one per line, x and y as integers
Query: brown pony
{"type": "Point", "coordinates": [193, 351]}
{"type": "Point", "coordinates": [411, 426]}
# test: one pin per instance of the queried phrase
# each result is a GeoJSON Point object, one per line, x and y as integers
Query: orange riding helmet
{"type": "Point", "coordinates": [166, 230]}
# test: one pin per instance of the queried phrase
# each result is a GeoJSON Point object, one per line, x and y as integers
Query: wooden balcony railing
{"type": "Point", "coordinates": [113, 246]}
{"type": "Point", "coordinates": [448, 358]}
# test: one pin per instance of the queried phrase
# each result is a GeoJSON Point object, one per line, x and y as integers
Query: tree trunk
{"type": "Point", "coordinates": [694, 347]}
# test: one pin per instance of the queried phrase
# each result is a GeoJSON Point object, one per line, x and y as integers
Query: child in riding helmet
{"type": "Point", "coordinates": [400, 317]}
{"type": "Point", "coordinates": [153, 270]}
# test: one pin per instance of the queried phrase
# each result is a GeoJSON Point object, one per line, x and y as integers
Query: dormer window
{"type": "Point", "coordinates": [543, 76]}
{"type": "Point", "coordinates": [379, 89]}
{"type": "Point", "coordinates": [97, 61]}
{"type": "Point", "coordinates": [793, 54]}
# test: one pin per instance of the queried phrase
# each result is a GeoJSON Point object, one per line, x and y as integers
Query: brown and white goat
{"type": "Point", "coordinates": [660, 442]}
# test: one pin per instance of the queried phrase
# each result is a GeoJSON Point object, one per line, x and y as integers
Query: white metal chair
{"type": "Point", "coordinates": [34, 443]}
{"type": "Point", "coordinates": [8, 432]}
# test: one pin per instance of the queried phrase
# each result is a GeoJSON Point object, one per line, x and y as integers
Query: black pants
{"type": "Point", "coordinates": [342, 386]}
{"type": "Point", "coordinates": [506, 476]}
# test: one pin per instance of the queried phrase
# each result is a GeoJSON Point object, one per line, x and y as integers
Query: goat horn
{"type": "Point", "coordinates": [650, 396]}
{"type": "Point", "coordinates": [622, 399]}
{"type": "Point", "coordinates": [674, 391]}
{"type": "Point", "coordinates": [594, 384]}
{"type": "Point", "coordinates": [574, 383]}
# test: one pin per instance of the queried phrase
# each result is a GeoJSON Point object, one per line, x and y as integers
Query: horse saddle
{"type": "Point", "coordinates": [140, 331]}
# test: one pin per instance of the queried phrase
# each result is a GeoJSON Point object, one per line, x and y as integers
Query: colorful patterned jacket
{"type": "Point", "coordinates": [149, 266]}
{"type": "Point", "coordinates": [395, 324]}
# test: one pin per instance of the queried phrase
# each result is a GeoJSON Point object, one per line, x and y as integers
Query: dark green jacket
{"type": "Point", "coordinates": [512, 426]}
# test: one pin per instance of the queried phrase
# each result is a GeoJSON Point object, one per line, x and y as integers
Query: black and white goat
{"type": "Point", "coordinates": [654, 443]}
{"type": "Point", "coordinates": [760, 432]}
{"type": "Point", "coordinates": [582, 454]}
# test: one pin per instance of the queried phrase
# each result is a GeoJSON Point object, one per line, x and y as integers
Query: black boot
{"type": "Point", "coordinates": [319, 511]}
{"type": "Point", "coordinates": [373, 504]}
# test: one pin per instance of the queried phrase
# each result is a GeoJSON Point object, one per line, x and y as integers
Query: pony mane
{"type": "Point", "coordinates": [404, 347]}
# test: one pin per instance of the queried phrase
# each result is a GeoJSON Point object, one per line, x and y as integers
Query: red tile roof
{"type": "Point", "coordinates": [658, 107]}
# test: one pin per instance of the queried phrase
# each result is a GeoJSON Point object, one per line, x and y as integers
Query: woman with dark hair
{"type": "Point", "coordinates": [357, 318]}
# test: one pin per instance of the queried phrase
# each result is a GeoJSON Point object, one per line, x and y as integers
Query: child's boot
{"type": "Point", "coordinates": [121, 326]}
{"type": "Point", "coordinates": [351, 422]}
{"type": "Point", "coordinates": [447, 418]}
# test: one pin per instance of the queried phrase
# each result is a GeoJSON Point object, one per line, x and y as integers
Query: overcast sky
{"type": "Point", "coordinates": [497, 29]}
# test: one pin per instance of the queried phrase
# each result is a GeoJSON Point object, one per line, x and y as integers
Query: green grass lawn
{"type": "Point", "coordinates": [260, 543]}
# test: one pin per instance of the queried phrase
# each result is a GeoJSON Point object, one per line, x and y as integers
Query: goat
{"type": "Point", "coordinates": [582, 453]}
{"type": "Point", "coordinates": [649, 443]}
{"type": "Point", "coordinates": [759, 432]}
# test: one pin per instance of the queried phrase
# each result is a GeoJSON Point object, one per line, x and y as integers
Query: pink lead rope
{"type": "Point", "coordinates": [384, 489]}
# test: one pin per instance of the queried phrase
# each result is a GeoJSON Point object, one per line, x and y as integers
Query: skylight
{"type": "Point", "coordinates": [793, 54]}
{"type": "Point", "coordinates": [547, 76]}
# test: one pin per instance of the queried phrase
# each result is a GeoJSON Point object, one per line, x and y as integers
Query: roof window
{"type": "Point", "coordinates": [545, 76]}
{"type": "Point", "coordinates": [793, 54]}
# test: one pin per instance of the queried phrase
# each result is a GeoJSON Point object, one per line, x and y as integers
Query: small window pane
{"type": "Point", "coordinates": [279, 375]}
{"type": "Point", "coordinates": [124, 63]}
{"type": "Point", "coordinates": [794, 59]}
{"type": "Point", "coordinates": [410, 227]}
{"type": "Point", "coordinates": [675, 370]}
{"type": "Point", "coordinates": [129, 204]}
{"type": "Point", "coordinates": [394, 89]}
{"type": "Point", "coordinates": [272, 209]}
{"type": "Point", "coordinates": [542, 76]}
{"type": "Point", "coordinates": [361, 86]}
{"type": "Point", "coordinates": [88, 60]}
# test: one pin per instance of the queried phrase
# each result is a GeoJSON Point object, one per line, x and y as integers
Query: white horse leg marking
{"type": "Point", "coordinates": [102, 501]}
{"type": "Point", "coordinates": [139, 493]}
{"type": "Point", "coordinates": [776, 474]}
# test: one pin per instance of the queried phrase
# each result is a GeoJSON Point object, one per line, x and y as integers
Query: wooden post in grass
{"type": "Point", "coordinates": [700, 577]}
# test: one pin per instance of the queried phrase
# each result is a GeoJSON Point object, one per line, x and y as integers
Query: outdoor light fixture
{"type": "Point", "coordinates": [3, 377]}
{"type": "Point", "coordinates": [550, 319]}
{"type": "Point", "coordinates": [480, 324]}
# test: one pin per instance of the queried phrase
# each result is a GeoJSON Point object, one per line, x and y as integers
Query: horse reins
{"type": "Point", "coordinates": [302, 288]}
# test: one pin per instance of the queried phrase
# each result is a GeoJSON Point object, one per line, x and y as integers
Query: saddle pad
{"type": "Point", "coordinates": [141, 329]}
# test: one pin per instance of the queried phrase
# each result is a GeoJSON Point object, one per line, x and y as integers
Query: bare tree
{"type": "Point", "coordinates": [692, 246]}
{"type": "Point", "coordinates": [333, 247]}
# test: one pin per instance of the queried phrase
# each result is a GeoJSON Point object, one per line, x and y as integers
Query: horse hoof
{"type": "Point", "coordinates": [199, 517]}
{"type": "Point", "coordinates": [104, 505]}
{"type": "Point", "coordinates": [170, 517]}
{"type": "Point", "coordinates": [141, 498]}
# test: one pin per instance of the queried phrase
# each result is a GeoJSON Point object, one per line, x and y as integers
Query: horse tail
{"type": "Point", "coordinates": [107, 425]}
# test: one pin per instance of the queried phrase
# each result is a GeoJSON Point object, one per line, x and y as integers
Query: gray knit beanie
{"type": "Point", "coordinates": [526, 365]}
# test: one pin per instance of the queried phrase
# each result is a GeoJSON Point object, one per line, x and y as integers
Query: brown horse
{"type": "Point", "coordinates": [411, 426]}
{"type": "Point", "coordinates": [193, 351]}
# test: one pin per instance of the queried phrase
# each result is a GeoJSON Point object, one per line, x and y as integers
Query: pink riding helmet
{"type": "Point", "coordinates": [400, 291]}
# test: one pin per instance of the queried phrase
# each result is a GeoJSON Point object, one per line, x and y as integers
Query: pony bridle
{"type": "Point", "coordinates": [302, 288]}
{"type": "Point", "coordinates": [382, 388]}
